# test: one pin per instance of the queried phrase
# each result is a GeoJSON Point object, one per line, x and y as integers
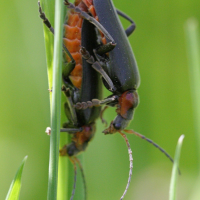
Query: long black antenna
{"type": "Point", "coordinates": [153, 143]}
{"type": "Point", "coordinates": [131, 163]}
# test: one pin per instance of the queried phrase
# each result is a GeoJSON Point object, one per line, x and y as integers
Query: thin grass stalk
{"type": "Point", "coordinates": [15, 187]}
{"type": "Point", "coordinates": [56, 102]}
{"type": "Point", "coordinates": [193, 46]}
{"type": "Point", "coordinates": [48, 7]}
{"type": "Point", "coordinates": [63, 166]}
{"type": "Point", "coordinates": [172, 190]}
{"type": "Point", "coordinates": [193, 49]}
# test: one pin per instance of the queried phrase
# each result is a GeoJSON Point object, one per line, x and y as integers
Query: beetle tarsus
{"type": "Point", "coordinates": [101, 116]}
{"type": "Point", "coordinates": [45, 20]}
{"type": "Point", "coordinates": [66, 3]}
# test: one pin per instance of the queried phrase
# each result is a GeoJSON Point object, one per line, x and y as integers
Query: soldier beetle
{"type": "Point", "coordinates": [81, 77]}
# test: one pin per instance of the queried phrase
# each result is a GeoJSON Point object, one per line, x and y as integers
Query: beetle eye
{"type": "Point", "coordinates": [71, 150]}
{"type": "Point", "coordinates": [117, 125]}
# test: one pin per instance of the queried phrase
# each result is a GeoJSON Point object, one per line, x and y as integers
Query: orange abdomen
{"type": "Point", "coordinates": [72, 41]}
{"type": "Point", "coordinates": [72, 38]}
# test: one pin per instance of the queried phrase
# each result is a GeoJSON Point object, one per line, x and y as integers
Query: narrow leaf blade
{"type": "Point", "coordinates": [14, 190]}
{"type": "Point", "coordinates": [172, 191]}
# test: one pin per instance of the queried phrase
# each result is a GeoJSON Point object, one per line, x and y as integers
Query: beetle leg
{"type": "Point", "coordinates": [75, 175]}
{"type": "Point", "coordinates": [105, 48]}
{"type": "Point", "coordinates": [69, 109]}
{"type": "Point", "coordinates": [101, 115]}
{"type": "Point", "coordinates": [64, 153]}
{"type": "Point", "coordinates": [82, 174]}
{"type": "Point", "coordinates": [92, 20]}
{"type": "Point", "coordinates": [94, 102]}
{"type": "Point", "coordinates": [45, 20]}
{"type": "Point", "coordinates": [67, 69]}
{"type": "Point", "coordinates": [71, 115]}
{"type": "Point", "coordinates": [69, 130]}
{"type": "Point", "coordinates": [132, 27]}
{"type": "Point", "coordinates": [48, 24]}
{"type": "Point", "coordinates": [98, 67]}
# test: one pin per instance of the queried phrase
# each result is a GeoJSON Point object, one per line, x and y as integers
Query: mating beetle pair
{"type": "Point", "coordinates": [89, 58]}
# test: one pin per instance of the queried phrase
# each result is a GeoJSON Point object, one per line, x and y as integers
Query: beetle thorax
{"type": "Point", "coordinates": [127, 101]}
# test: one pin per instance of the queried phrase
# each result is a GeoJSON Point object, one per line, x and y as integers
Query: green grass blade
{"type": "Point", "coordinates": [193, 45]}
{"type": "Point", "coordinates": [193, 48]}
{"type": "Point", "coordinates": [14, 190]}
{"type": "Point", "coordinates": [172, 191]}
{"type": "Point", "coordinates": [56, 102]}
{"type": "Point", "coordinates": [63, 170]}
{"type": "Point", "coordinates": [48, 7]}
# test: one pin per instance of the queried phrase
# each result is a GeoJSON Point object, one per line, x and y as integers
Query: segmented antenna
{"type": "Point", "coordinates": [75, 175]}
{"type": "Point", "coordinates": [83, 175]}
{"type": "Point", "coordinates": [153, 143]}
{"type": "Point", "coordinates": [131, 163]}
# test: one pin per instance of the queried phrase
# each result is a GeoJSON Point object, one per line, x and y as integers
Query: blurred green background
{"type": "Point", "coordinates": [164, 113]}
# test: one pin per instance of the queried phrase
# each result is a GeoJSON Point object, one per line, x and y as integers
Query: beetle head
{"type": "Point", "coordinates": [118, 124]}
{"type": "Point", "coordinates": [127, 103]}
{"type": "Point", "coordinates": [79, 141]}
{"type": "Point", "coordinates": [69, 150]}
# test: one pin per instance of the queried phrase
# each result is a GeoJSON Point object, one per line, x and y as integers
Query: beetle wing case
{"type": "Point", "coordinates": [122, 68]}
{"type": "Point", "coordinates": [91, 83]}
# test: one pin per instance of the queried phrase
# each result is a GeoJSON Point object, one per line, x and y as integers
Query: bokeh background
{"type": "Point", "coordinates": [164, 113]}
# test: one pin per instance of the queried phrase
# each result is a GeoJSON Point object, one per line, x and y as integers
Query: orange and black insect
{"type": "Point", "coordinates": [81, 82]}
{"type": "Point", "coordinates": [119, 71]}
{"type": "Point", "coordinates": [87, 58]}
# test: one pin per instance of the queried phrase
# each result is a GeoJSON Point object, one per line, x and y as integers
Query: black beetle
{"type": "Point", "coordinates": [119, 66]}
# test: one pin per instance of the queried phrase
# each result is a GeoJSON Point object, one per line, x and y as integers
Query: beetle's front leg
{"type": "Point", "coordinates": [48, 24]}
{"type": "Point", "coordinates": [98, 67]}
{"type": "Point", "coordinates": [45, 20]}
{"type": "Point", "coordinates": [92, 20]}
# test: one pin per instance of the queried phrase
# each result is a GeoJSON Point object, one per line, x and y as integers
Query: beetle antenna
{"type": "Point", "coordinates": [131, 163]}
{"type": "Point", "coordinates": [83, 175]}
{"type": "Point", "coordinates": [154, 144]}
{"type": "Point", "coordinates": [75, 175]}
